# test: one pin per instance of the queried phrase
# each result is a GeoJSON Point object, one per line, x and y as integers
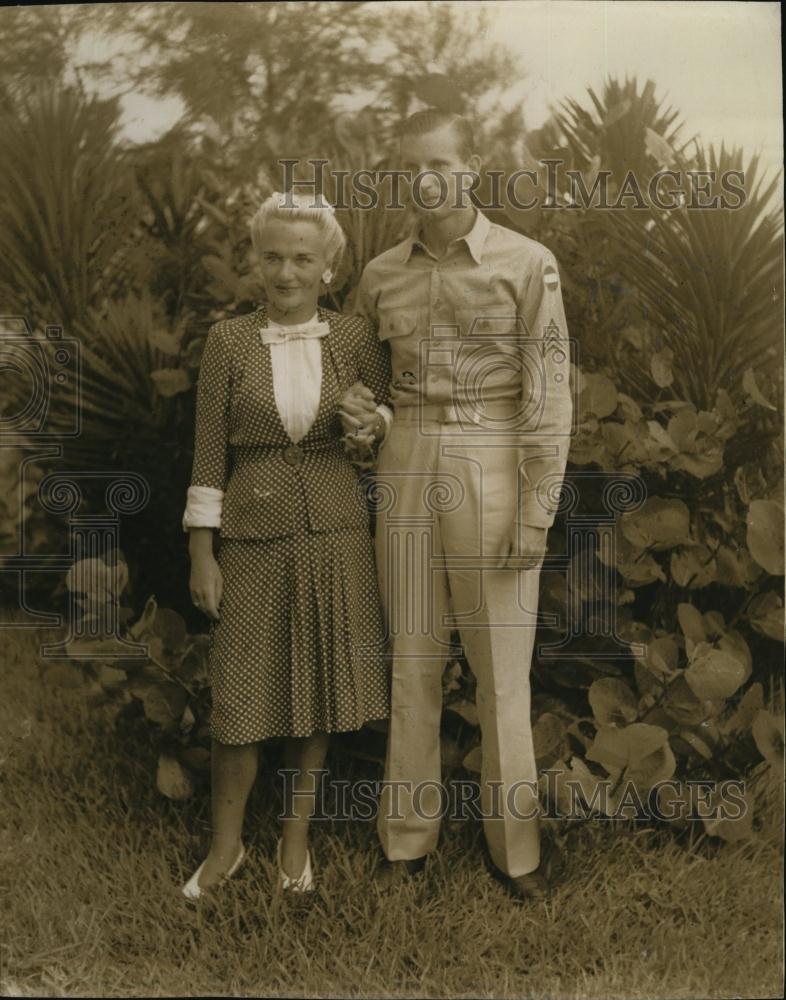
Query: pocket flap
{"type": "Point", "coordinates": [398, 323]}
{"type": "Point", "coordinates": [494, 320]}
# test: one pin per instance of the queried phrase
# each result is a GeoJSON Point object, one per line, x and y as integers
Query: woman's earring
{"type": "Point", "coordinates": [327, 276]}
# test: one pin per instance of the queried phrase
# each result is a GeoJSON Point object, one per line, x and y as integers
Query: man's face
{"type": "Point", "coordinates": [437, 155]}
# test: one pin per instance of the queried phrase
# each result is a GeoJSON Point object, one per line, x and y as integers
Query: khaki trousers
{"type": "Point", "coordinates": [445, 500]}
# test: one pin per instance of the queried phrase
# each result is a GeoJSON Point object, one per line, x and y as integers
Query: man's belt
{"type": "Point", "coordinates": [458, 413]}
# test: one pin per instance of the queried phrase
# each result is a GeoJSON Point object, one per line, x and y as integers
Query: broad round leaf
{"type": "Point", "coordinates": [170, 627]}
{"type": "Point", "coordinates": [702, 463]}
{"type": "Point", "coordinates": [583, 731]}
{"type": "Point", "coordinates": [635, 633]}
{"type": "Point", "coordinates": [656, 766]}
{"type": "Point", "coordinates": [682, 705]}
{"type": "Point", "coordinates": [661, 446]}
{"type": "Point", "coordinates": [733, 643]}
{"type": "Point", "coordinates": [97, 579]}
{"type": "Point", "coordinates": [193, 667]}
{"type": "Point", "coordinates": [750, 385]}
{"type": "Point", "coordinates": [750, 482]}
{"type": "Point", "coordinates": [674, 804]}
{"type": "Point", "coordinates": [765, 613]}
{"type": "Point", "coordinates": [659, 524]}
{"type": "Point", "coordinates": [572, 784]}
{"type": "Point", "coordinates": [696, 743]}
{"type": "Point", "coordinates": [693, 566]}
{"type": "Point", "coordinates": [587, 445]}
{"type": "Point", "coordinates": [548, 735]}
{"type": "Point", "coordinates": [634, 566]}
{"type": "Point", "coordinates": [691, 622]}
{"type": "Point", "coordinates": [747, 710]}
{"type": "Point", "coordinates": [617, 749]}
{"type": "Point", "coordinates": [188, 720]}
{"type": "Point", "coordinates": [765, 535]}
{"type": "Point", "coordinates": [768, 737]}
{"type": "Point", "coordinates": [146, 619]}
{"type": "Point", "coordinates": [715, 675]}
{"type": "Point", "coordinates": [647, 683]}
{"type": "Point", "coordinates": [629, 407]}
{"type": "Point", "coordinates": [173, 780]}
{"type": "Point", "coordinates": [662, 656]}
{"type": "Point", "coordinates": [110, 677]}
{"type": "Point", "coordinates": [736, 568]}
{"type": "Point", "coordinates": [726, 824]}
{"type": "Point", "coordinates": [612, 702]}
{"type": "Point", "coordinates": [164, 703]}
{"type": "Point", "coordinates": [660, 368]}
{"type": "Point", "coordinates": [682, 428]}
{"type": "Point", "coordinates": [598, 396]}
{"type": "Point", "coordinates": [714, 624]}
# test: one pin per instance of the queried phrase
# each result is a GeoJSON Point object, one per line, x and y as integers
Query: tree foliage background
{"type": "Point", "coordinates": [136, 248]}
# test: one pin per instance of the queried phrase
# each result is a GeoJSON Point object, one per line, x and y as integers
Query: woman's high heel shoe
{"type": "Point", "coordinates": [305, 883]}
{"type": "Point", "coordinates": [192, 888]}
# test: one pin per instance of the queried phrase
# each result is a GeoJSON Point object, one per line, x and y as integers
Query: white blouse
{"type": "Point", "coordinates": [297, 386]}
{"type": "Point", "coordinates": [297, 376]}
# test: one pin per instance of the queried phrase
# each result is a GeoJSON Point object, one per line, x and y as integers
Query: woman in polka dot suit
{"type": "Point", "coordinates": [296, 636]}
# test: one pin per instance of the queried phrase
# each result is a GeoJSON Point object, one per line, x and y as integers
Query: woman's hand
{"type": "Point", "coordinates": [206, 584]}
{"type": "Point", "coordinates": [358, 413]}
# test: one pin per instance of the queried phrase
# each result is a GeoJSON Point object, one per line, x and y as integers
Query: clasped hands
{"type": "Point", "coordinates": [361, 422]}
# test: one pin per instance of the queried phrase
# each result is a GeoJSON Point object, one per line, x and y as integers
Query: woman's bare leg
{"type": "Point", "coordinates": [233, 770]}
{"type": "Point", "coordinates": [304, 755]}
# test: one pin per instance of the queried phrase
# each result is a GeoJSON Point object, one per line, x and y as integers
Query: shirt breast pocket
{"type": "Point", "coordinates": [492, 320]}
{"type": "Point", "coordinates": [395, 323]}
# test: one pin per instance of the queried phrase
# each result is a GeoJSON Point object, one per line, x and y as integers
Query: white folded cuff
{"type": "Point", "coordinates": [203, 507]}
{"type": "Point", "coordinates": [387, 415]}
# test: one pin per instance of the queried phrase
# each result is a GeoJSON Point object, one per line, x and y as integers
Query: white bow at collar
{"type": "Point", "coordinates": [275, 333]}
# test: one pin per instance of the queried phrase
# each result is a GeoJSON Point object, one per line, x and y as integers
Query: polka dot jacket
{"type": "Point", "coordinates": [241, 447]}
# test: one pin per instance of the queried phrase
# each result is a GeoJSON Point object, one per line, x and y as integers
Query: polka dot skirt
{"type": "Point", "coordinates": [298, 648]}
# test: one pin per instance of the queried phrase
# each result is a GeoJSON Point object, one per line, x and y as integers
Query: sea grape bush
{"type": "Point", "coordinates": [698, 598]}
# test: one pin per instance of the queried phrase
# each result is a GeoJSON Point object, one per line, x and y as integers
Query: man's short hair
{"type": "Point", "coordinates": [431, 119]}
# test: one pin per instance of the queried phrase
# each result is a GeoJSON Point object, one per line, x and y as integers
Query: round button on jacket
{"type": "Point", "coordinates": [293, 455]}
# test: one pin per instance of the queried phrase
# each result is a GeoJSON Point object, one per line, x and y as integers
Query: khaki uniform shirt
{"type": "Point", "coordinates": [483, 323]}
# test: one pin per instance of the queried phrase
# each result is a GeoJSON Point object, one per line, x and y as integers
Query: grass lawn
{"type": "Point", "coordinates": [93, 859]}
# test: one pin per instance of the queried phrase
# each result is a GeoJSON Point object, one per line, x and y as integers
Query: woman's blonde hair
{"type": "Point", "coordinates": [291, 207]}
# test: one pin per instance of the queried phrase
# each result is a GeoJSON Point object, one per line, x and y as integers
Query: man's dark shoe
{"type": "Point", "coordinates": [395, 873]}
{"type": "Point", "coordinates": [528, 888]}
